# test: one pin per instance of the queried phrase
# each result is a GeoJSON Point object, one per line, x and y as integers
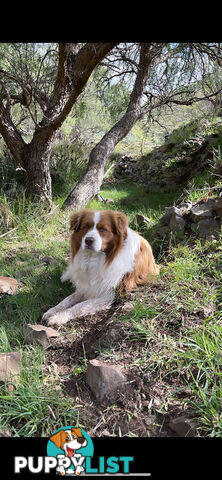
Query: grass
{"type": "Point", "coordinates": [173, 334]}
{"type": "Point", "coordinates": [36, 402]}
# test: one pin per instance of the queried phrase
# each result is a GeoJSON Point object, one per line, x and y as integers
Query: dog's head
{"type": "Point", "coordinates": [98, 231]}
{"type": "Point", "coordinates": [69, 440]}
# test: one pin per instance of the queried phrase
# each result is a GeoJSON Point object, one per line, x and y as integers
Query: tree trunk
{"type": "Point", "coordinates": [75, 65]}
{"type": "Point", "coordinates": [91, 182]}
{"type": "Point", "coordinates": [36, 162]}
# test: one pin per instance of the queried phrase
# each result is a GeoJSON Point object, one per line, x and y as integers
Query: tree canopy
{"type": "Point", "coordinates": [41, 84]}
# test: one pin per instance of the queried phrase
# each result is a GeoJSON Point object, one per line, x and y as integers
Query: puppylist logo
{"type": "Point", "coordinates": [69, 452]}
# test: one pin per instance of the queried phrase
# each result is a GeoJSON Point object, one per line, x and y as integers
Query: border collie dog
{"type": "Point", "coordinates": [106, 254]}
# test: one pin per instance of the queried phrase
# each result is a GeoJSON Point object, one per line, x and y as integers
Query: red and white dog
{"type": "Point", "coordinates": [106, 254]}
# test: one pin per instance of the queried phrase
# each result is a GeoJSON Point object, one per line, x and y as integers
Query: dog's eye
{"type": "Point", "coordinates": [102, 229]}
{"type": "Point", "coordinates": [85, 227]}
{"type": "Point", "coordinates": [67, 438]}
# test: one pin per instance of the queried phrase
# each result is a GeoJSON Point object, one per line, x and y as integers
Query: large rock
{"type": "Point", "coordinates": [103, 378]}
{"type": "Point", "coordinates": [207, 227]}
{"type": "Point", "coordinates": [9, 368]}
{"type": "Point", "coordinates": [177, 223]}
{"type": "Point", "coordinates": [201, 212]}
{"type": "Point", "coordinates": [165, 219]}
{"type": "Point", "coordinates": [217, 207]}
{"type": "Point", "coordinates": [8, 285]}
{"type": "Point", "coordinates": [40, 334]}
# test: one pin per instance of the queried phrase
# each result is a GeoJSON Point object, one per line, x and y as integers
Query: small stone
{"type": "Point", "coordinates": [9, 368]}
{"type": "Point", "coordinates": [49, 260]}
{"type": "Point", "coordinates": [127, 307]}
{"type": "Point", "coordinates": [183, 427]}
{"type": "Point", "coordinates": [185, 208]}
{"type": "Point", "coordinates": [209, 310]}
{"type": "Point", "coordinates": [210, 238]}
{"type": "Point", "coordinates": [103, 378]}
{"type": "Point", "coordinates": [5, 433]}
{"type": "Point", "coordinates": [157, 402]}
{"type": "Point", "coordinates": [8, 285]}
{"type": "Point", "coordinates": [142, 221]}
{"type": "Point", "coordinates": [149, 420]}
{"type": "Point", "coordinates": [40, 334]}
{"type": "Point", "coordinates": [105, 433]}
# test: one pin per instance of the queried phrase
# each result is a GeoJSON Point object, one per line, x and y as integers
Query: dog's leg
{"type": "Point", "coordinates": [89, 306]}
{"type": "Point", "coordinates": [66, 303]}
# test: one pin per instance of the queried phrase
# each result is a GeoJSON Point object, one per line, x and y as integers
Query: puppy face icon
{"type": "Point", "coordinates": [69, 440]}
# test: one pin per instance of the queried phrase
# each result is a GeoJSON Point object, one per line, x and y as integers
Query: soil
{"type": "Point", "coordinates": [143, 406]}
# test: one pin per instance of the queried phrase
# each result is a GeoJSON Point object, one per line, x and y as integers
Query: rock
{"type": "Point", "coordinates": [103, 378]}
{"type": "Point", "coordinates": [201, 212]}
{"type": "Point", "coordinates": [48, 259]}
{"type": "Point", "coordinates": [210, 238]}
{"type": "Point", "coordinates": [150, 420]}
{"type": "Point", "coordinates": [209, 310]}
{"type": "Point", "coordinates": [142, 221]}
{"type": "Point", "coordinates": [110, 200]}
{"type": "Point", "coordinates": [217, 207]}
{"type": "Point", "coordinates": [8, 285]}
{"type": "Point", "coordinates": [9, 369]}
{"type": "Point", "coordinates": [184, 208]}
{"type": "Point", "coordinates": [40, 334]}
{"type": "Point", "coordinates": [177, 223]}
{"type": "Point", "coordinates": [127, 307]}
{"type": "Point", "coordinates": [183, 426]}
{"type": "Point", "coordinates": [208, 227]}
{"type": "Point", "coordinates": [126, 166]}
{"type": "Point", "coordinates": [165, 219]}
{"type": "Point", "coordinates": [5, 433]}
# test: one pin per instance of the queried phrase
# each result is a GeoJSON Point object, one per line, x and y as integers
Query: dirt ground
{"type": "Point", "coordinates": [144, 406]}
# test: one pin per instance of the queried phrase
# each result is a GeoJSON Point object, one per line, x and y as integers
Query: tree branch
{"type": "Point", "coordinates": [75, 66]}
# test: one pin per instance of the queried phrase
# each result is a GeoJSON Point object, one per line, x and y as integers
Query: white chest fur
{"type": "Point", "coordinates": [92, 277]}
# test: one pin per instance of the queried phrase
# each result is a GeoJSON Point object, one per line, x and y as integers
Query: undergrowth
{"type": "Point", "coordinates": [177, 329]}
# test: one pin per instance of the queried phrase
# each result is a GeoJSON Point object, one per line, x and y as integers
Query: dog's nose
{"type": "Point", "coordinates": [89, 241]}
{"type": "Point", "coordinates": [81, 440]}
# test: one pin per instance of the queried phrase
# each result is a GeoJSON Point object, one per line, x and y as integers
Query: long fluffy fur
{"type": "Point", "coordinates": [119, 258]}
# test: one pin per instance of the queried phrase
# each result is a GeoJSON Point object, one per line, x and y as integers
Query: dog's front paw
{"type": "Point", "coordinates": [57, 319]}
{"type": "Point", "coordinates": [48, 314]}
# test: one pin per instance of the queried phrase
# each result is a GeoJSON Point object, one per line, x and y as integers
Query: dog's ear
{"type": "Point", "coordinates": [76, 431]}
{"type": "Point", "coordinates": [75, 221]}
{"type": "Point", "coordinates": [57, 439]}
{"type": "Point", "coordinates": [121, 224]}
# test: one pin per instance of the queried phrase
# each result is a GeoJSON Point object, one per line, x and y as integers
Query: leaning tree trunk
{"type": "Point", "coordinates": [91, 182]}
